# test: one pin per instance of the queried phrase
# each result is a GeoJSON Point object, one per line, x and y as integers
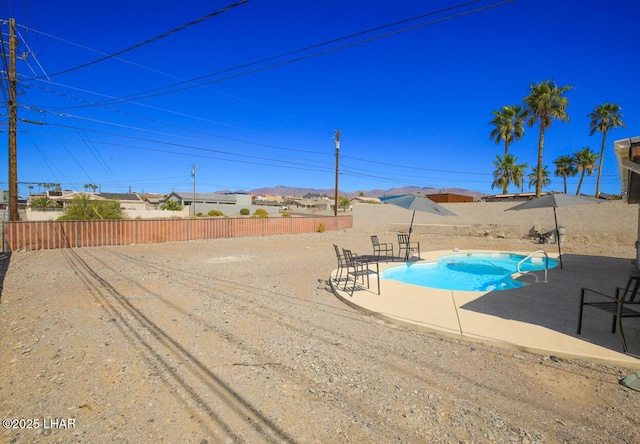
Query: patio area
{"type": "Point", "coordinates": [539, 318]}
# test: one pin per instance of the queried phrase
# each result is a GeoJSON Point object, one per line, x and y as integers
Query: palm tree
{"type": "Point", "coordinates": [87, 186]}
{"type": "Point", "coordinates": [43, 202]}
{"type": "Point", "coordinates": [82, 207]}
{"type": "Point", "coordinates": [509, 125]}
{"type": "Point", "coordinates": [533, 177]}
{"type": "Point", "coordinates": [544, 104]}
{"type": "Point", "coordinates": [585, 161]}
{"type": "Point", "coordinates": [565, 167]}
{"type": "Point", "coordinates": [171, 205]}
{"type": "Point", "coordinates": [507, 172]}
{"type": "Point", "coordinates": [604, 118]}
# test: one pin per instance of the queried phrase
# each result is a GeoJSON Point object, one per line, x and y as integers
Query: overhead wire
{"type": "Point", "coordinates": [151, 40]}
{"type": "Point", "coordinates": [411, 167]}
{"type": "Point", "coordinates": [180, 145]}
{"type": "Point", "coordinates": [324, 52]}
{"type": "Point", "coordinates": [191, 116]}
{"type": "Point", "coordinates": [195, 82]}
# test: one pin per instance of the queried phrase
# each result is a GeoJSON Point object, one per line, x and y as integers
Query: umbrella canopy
{"type": "Point", "coordinates": [555, 200]}
{"type": "Point", "coordinates": [416, 202]}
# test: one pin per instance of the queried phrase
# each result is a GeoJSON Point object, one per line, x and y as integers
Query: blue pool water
{"type": "Point", "coordinates": [467, 272]}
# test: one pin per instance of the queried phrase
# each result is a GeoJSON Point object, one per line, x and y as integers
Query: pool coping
{"type": "Point", "coordinates": [492, 317]}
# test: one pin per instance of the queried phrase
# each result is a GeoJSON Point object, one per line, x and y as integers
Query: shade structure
{"type": "Point", "coordinates": [555, 200]}
{"type": "Point", "coordinates": [416, 202]}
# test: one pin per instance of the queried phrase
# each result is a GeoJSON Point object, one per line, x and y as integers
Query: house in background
{"type": "Point", "coordinates": [229, 204]}
{"type": "Point", "coordinates": [449, 198]}
{"type": "Point", "coordinates": [152, 200]}
{"type": "Point", "coordinates": [362, 199]}
{"type": "Point", "coordinates": [133, 205]}
{"type": "Point", "coordinates": [509, 197]}
{"type": "Point", "coordinates": [128, 201]}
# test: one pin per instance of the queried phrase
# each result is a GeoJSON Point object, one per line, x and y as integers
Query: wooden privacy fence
{"type": "Point", "coordinates": [96, 233]}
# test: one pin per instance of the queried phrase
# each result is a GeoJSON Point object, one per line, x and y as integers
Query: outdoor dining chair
{"type": "Point", "coordinates": [359, 269]}
{"type": "Point", "coordinates": [380, 248]}
{"type": "Point", "coordinates": [620, 305]}
{"type": "Point", "coordinates": [404, 243]}
{"type": "Point", "coordinates": [342, 265]}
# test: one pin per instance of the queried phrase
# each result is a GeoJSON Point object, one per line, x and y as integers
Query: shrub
{"type": "Point", "coordinates": [171, 205]}
{"type": "Point", "coordinates": [43, 202]}
{"type": "Point", "coordinates": [261, 212]}
{"type": "Point", "coordinates": [286, 214]}
{"type": "Point", "coordinates": [245, 212]}
{"type": "Point", "coordinates": [214, 213]}
{"type": "Point", "coordinates": [321, 228]}
{"type": "Point", "coordinates": [83, 208]}
{"type": "Point", "coordinates": [199, 214]}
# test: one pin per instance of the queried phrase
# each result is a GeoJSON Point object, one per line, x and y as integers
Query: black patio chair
{"type": "Point", "coordinates": [380, 248]}
{"type": "Point", "coordinates": [359, 269]}
{"type": "Point", "coordinates": [620, 306]}
{"type": "Point", "coordinates": [341, 264]}
{"type": "Point", "coordinates": [405, 244]}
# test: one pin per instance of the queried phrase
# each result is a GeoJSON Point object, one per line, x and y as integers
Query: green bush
{"type": "Point", "coordinates": [245, 212]}
{"type": "Point", "coordinates": [261, 212]}
{"type": "Point", "coordinates": [286, 214]}
{"type": "Point", "coordinates": [43, 202]}
{"type": "Point", "coordinates": [321, 228]}
{"type": "Point", "coordinates": [171, 205]}
{"type": "Point", "coordinates": [82, 207]}
{"type": "Point", "coordinates": [214, 213]}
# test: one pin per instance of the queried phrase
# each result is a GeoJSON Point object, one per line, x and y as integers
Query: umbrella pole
{"type": "Point", "coordinates": [406, 255]}
{"type": "Point", "coordinates": [557, 237]}
{"type": "Point", "coordinates": [411, 226]}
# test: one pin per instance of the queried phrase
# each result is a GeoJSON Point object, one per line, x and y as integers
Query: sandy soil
{"type": "Point", "coordinates": [238, 340]}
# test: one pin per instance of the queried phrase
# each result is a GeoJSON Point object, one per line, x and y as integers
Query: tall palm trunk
{"type": "Point", "coordinates": [539, 173]}
{"type": "Point", "coordinates": [604, 141]}
{"type": "Point", "coordinates": [580, 183]}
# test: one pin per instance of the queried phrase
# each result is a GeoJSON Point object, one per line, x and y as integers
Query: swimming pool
{"type": "Point", "coordinates": [467, 271]}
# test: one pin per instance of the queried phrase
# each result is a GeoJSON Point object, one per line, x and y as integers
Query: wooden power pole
{"type": "Point", "coordinates": [193, 202]}
{"type": "Point", "coordinates": [13, 118]}
{"type": "Point", "coordinates": [335, 204]}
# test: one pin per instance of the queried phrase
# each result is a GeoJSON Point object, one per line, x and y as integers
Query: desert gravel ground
{"type": "Point", "coordinates": [238, 340]}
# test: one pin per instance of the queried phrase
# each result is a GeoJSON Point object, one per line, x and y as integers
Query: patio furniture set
{"type": "Point", "coordinates": [362, 267]}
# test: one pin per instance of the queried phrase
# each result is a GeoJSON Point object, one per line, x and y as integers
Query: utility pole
{"type": "Point", "coordinates": [335, 204]}
{"type": "Point", "coordinates": [193, 202]}
{"type": "Point", "coordinates": [13, 119]}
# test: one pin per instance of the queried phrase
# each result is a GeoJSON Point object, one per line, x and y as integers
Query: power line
{"type": "Point", "coordinates": [193, 82]}
{"type": "Point", "coordinates": [151, 40]}
{"type": "Point", "coordinates": [233, 139]}
{"type": "Point", "coordinates": [258, 160]}
{"type": "Point", "coordinates": [160, 133]}
{"type": "Point", "coordinates": [409, 167]}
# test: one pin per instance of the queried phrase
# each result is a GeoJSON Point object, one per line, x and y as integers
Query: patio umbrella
{"type": "Point", "coordinates": [555, 200]}
{"type": "Point", "coordinates": [417, 202]}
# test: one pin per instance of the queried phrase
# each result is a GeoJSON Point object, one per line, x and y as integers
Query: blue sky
{"type": "Point", "coordinates": [253, 96]}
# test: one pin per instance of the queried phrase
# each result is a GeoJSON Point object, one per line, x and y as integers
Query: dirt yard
{"type": "Point", "coordinates": [238, 340]}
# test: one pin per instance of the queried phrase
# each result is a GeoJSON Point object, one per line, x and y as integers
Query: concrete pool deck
{"type": "Point", "coordinates": [539, 318]}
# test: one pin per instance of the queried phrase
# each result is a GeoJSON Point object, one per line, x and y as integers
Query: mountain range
{"type": "Point", "coordinates": [283, 190]}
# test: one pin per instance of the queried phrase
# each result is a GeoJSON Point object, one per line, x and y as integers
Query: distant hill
{"type": "Point", "coordinates": [283, 190]}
